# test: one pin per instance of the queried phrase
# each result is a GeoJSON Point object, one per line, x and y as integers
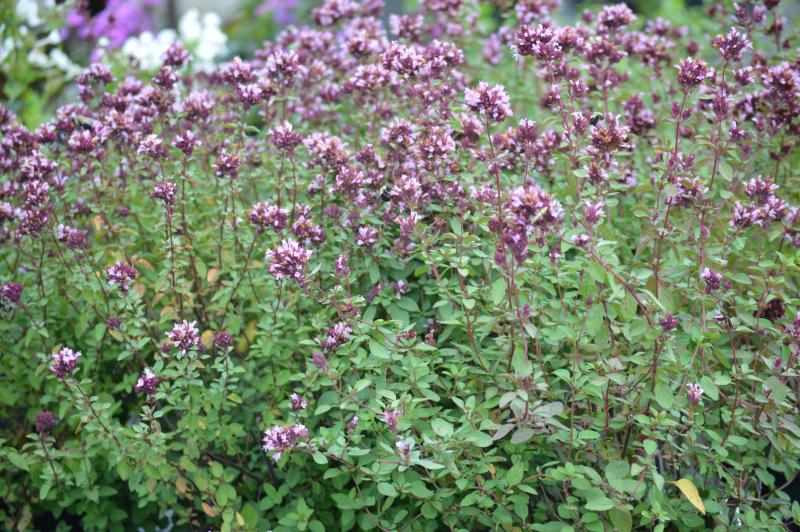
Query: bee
{"type": "Point", "coordinates": [385, 194]}
{"type": "Point", "coordinates": [84, 123]}
{"type": "Point", "coordinates": [595, 119]}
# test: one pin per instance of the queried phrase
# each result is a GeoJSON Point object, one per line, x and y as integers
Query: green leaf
{"type": "Point", "coordinates": [514, 475]}
{"type": "Point", "coordinates": [499, 288]}
{"type": "Point", "coordinates": [650, 446]}
{"type": "Point", "coordinates": [522, 435]}
{"type": "Point", "coordinates": [599, 504]}
{"type": "Point", "coordinates": [621, 519]}
{"type": "Point", "coordinates": [17, 459]}
{"type": "Point", "coordinates": [664, 395]}
{"type": "Point", "coordinates": [378, 350]}
{"type": "Point", "coordinates": [429, 464]}
{"type": "Point", "coordinates": [481, 439]}
{"type": "Point", "coordinates": [225, 493]}
{"type": "Point", "coordinates": [384, 488]}
{"type": "Point", "coordinates": [320, 458]}
{"type": "Point", "coordinates": [419, 489]}
{"type": "Point", "coordinates": [442, 427]}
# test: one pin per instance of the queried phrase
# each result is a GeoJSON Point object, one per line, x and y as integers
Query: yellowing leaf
{"type": "Point", "coordinates": [242, 345]}
{"type": "Point", "coordinates": [250, 331]}
{"type": "Point", "coordinates": [97, 221]}
{"type": "Point", "coordinates": [207, 338]}
{"type": "Point", "coordinates": [139, 287]}
{"type": "Point", "coordinates": [201, 424]}
{"type": "Point", "coordinates": [181, 484]}
{"type": "Point", "coordinates": [212, 275]}
{"type": "Point", "coordinates": [690, 492]}
{"type": "Point", "coordinates": [209, 510]}
{"type": "Point", "coordinates": [145, 264]}
{"type": "Point", "coordinates": [239, 519]}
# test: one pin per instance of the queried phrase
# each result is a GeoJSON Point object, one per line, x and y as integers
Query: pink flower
{"type": "Point", "coordinates": [353, 423]}
{"type": "Point", "coordinates": [392, 417]}
{"type": "Point", "coordinates": [367, 236]}
{"type": "Point", "coordinates": [153, 147]}
{"type": "Point", "coordinates": [694, 393]}
{"type": "Point", "coordinates": [121, 274]}
{"type": "Point", "coordinates": [10, 293]}
{"type": "Point", "coordinates": [297, 402]}
{"type": "Point", "coordinates": [184, 336]}
{"type": "Point", "coordinates": [491, 102]}
{"type": "Point", "coordinates": [227, 164]}
{"type": "Point", "coordinates": [147, 383]}
{"type": "Point", "coordinates": [285, 138]}
{"type": "Point", "coordinates": [288, 260]}
{"type": "Point", "coordinates": [45, 421]}
{"type": "Point", "coordinates": [692, 72]}
{"type": "Point", "coordinates": [64, 362]}
{"type": "Point", "coordinates": [264, 215]}
{"type": "Point", "coordinates": [280, 439]}
{"type": "Point", "coordinates": [732, 46]}
{"type": "Point", "coordinates": [166, 192]}
{"type": "Point", "coordinates": [712, 279]}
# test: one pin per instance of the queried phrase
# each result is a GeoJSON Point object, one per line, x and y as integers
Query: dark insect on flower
{"type": "Point", "coordinates": [385, 196]}
{"type": "Point", "coordinates": [297, 402]}
{"type": "Point", "coordinates": [596, 118]}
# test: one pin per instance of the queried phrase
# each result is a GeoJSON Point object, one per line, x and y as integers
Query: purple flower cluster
{"type": "Point", "coordinates": [10, 293]}
{"type": "Point", "coordinates": [265, 215]}
{"type": "Point", "coordinates": [64, 362]}
{"type": "Point", "coordinates": [280, 439]}
{"type": "Point", "coordinates": [288, 260]}
{"type": "Point", "coordinates": [764, 208]}
{"type": "Point", "coordinates": [491, 102]}
{"type": "Point", "coordinates": [147, 382]}
{"type": "Point", "coordinates": [121, 274]}
{"type": "Point", "coordinates": [45, 421]}
{"type": "Point", "coordinates": [184, 336]}
{"type": "Point", "coordinates": [694, 393]}
{"type": "Point", "coordinates": [335, 337]}
{"type": "Point", "coordinates": [297, 402]}
{"type": "Point", "coordinates": [166, 192]}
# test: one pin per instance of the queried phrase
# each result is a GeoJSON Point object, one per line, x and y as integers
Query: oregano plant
{"type": "Point", "coordinates": [471, 267]}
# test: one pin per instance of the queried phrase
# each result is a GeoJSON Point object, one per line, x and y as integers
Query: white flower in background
{"type": "Point", "coordinates": [28, 12]}
{"type": "Point", "coordinates": [204, 36]}
{"type": "Point", "coordinates": [39, 52]}
{"type": "Point", "coordinates": [55, 58]}
{"type": "Point", "coordinates": [146, 49]}
{"type": "Point", "coordinates": [201, 35]}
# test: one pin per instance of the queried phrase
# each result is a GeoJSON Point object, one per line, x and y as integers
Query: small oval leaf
{"type": "Point", "coordinates": [690, 492]}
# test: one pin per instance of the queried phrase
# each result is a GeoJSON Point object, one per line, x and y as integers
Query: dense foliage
{"type": "Point", "coordinates": [346, 284]}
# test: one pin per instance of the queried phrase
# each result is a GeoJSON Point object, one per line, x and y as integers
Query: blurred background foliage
{"type": "Point", "coordinates": [46, 43]}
